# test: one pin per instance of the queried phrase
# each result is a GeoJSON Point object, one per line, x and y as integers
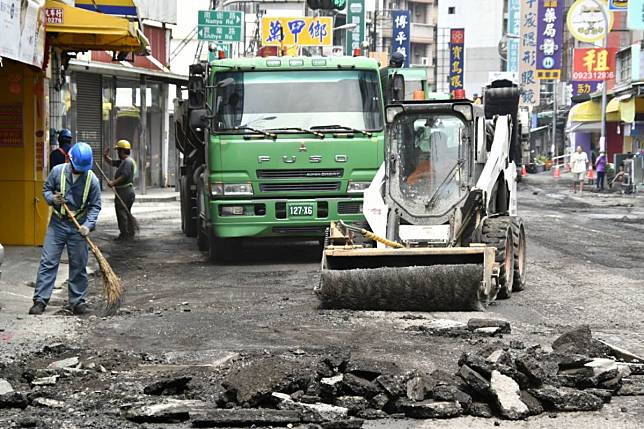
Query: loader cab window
{"type": "Point", "coordinates": [431, 168]}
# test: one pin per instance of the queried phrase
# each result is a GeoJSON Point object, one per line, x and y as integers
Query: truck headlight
{"type": "Point", "coordinates": [358, 187]}
{"type": "Point", "coordinates": [231, 189]}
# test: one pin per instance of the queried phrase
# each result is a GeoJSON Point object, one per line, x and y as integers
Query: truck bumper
{"type": "Point", "coordinates": [270, 217]}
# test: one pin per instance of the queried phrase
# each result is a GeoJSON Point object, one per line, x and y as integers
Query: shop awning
{"type": "Point", "coordinates": [75, 29]}
{"type": "Point", "coordinates": [623, 108]}
{"type": "Point", "coordinates": [591, 111]}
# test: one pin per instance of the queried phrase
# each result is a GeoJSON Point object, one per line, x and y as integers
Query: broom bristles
{"type": "Point", "coordinates": [112, 285]}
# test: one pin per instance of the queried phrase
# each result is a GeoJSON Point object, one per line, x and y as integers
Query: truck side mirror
{"type": "Point", "coordinates": [199, 119]}
{"type": "Point", "coordinates": [397, 87]}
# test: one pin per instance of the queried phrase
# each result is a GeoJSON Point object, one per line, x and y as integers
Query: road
{"type": "Point", "coordinates": [584, 266]}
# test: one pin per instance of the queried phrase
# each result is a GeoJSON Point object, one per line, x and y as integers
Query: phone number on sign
{"type": "Point", "coordinates": [593, 75]}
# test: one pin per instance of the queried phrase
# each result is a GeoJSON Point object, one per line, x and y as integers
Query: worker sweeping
{"type": "Point", "coordinates": [123, 185]}
{"type": "Point", "coordinates": [60, 154]}
{"type": "Point", "coordinates": [75, 185]}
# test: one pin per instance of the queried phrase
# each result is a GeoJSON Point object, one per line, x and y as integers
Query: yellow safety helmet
{"type": "Point", "coordinates": [123, 144]}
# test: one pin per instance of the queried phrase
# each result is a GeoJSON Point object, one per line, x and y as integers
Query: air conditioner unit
{"type": "Point", "coordinates": [426, 61]}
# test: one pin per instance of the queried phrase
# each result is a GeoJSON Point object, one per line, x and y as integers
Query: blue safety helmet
{"type": "Point", "coordinates": [81, 157]}
{"type": "Point", "coordinates": [64, 136]}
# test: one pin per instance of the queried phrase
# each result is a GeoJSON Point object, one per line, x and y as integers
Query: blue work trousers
{"type": "Point", "coordinates": [61, 233]}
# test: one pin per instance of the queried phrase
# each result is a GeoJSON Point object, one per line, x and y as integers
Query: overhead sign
{"type": "Point", "coordinates": [110, 7]}
{"type": "Point", "coordinates": [635, 19]}
{"type": "Point", "coordinates": [585, 21]}
{"type": "Point", "coordinates": [223, 26]}
{"type": "Point", "coordinates": [530, 86]}
{"type": "Point", "coordinates": [617, 5]}
{"type": "Point", "coordinates": [456, 58]}
{"type": "Point", "coordinates": [549, 39]}
{"type": "Point", "coordinates": [593, 64]}
{"type": "Point", "coordinates": [355, 15]}
{"type": "Point", "coordinates": [514, 27]}
{"type": "Point", "coordinates": [400, 34]}
{"type": "Point", "coordinates": [299, 31]}
{"type": "Point", "coordinates": [22, 26]}
{"type": "Point", "coordinates": [584, 87]}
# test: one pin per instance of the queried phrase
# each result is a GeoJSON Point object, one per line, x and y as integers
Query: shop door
{"type": "Point", "coordinates": [89, 105]}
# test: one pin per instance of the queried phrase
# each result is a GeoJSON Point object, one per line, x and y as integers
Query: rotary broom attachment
{"type": "Point", "coordinates": [408, 279]}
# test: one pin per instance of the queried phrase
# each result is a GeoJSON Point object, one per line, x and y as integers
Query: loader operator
{"type": "Point", "coordinates": [60, 155]}
{"type": "Point", "coordinates": [427, 143]}
{"type": "Point", "coordinates": [75, 184]}
{"type": "Point", "coordinates": [123, 185]}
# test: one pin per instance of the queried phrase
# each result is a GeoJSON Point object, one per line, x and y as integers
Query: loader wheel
{"type": "Point", "coordinates": [520, 261]}
{"type": "Point", "coordinates": [498, 232]}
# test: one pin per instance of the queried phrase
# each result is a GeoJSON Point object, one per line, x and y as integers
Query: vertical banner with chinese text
{"type": "Point", "coordinates": [514, 27]}
{"type": "Point", "coordinates": [528, 54]}
{"type": "Point", "coordinates": [400, 25]}
{"type": "Point", "coordinates": [550, 39]}
{"type": "Point", "coordinates": [456, 58]}
{"type": "Point", "coordinates": [355, 15]}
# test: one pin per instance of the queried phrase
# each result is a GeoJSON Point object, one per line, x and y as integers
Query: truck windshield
{"type": "Point", "coordinates": [430, 151]}
{"type": "Point", "coordinates": [286, 99]}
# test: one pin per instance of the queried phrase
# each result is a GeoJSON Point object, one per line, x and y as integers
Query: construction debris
{"type": "Point", "coordinates": [5, 387]}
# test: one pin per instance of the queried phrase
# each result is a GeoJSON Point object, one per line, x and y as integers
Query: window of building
{"type": "Point", "coordinates": [451, 10]}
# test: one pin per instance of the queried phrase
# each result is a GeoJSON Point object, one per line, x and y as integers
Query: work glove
{"type": "Point", "coordinates": [83, 230]}
{"type": "Point", "coordinates": [59, 199]}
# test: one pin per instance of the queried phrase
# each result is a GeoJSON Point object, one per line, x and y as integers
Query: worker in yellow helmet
{"type": "Point", "coordinates": [123, 185]}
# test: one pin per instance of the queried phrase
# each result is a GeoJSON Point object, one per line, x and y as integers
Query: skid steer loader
{"type": "Point", "coordinates": [442, 210]}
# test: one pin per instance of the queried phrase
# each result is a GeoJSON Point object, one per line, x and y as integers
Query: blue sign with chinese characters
{"type": "Point", "coordinates": [456, 58]}
{"type": "Point", "coordinates": [401, 23]}
{"type": "Point", "coordinates": [550, 39]}
{"type": "Point", "coordinates": [514, 27]}
{"type": "Point", "coordinates": [585, 87]}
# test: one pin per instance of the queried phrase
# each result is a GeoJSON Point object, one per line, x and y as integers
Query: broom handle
{"type": "Point", "coordinates": [87, 239]}
{"type": "Point", "coordinates": [108, 184]}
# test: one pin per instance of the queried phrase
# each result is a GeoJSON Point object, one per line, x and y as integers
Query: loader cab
{"type": "Point", "coordinates": [429, 162]}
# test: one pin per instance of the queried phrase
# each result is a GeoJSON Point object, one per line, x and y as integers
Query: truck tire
{"type": "Point", "coordinates": [188, 208]}
{"type": "Point", "coordinates": [202, 230]}
{"type": "Point", "coordinates": [520, 261]}
{"type": "Point", "coordinates": [498, 232]}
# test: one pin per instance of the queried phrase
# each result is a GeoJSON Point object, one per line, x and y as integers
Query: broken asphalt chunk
{"type": "Point", "coordinates": [474, 380]}
{"type": "Point", "coordinates": [567, 399]}
{"type": "Point", "coordinates": [168, 386]}
{"type": "Point", "coordinates": [13, 400]}
{"type": "Point", "coordinates": [431, 409]}
{"type": "Point", "coordinates": [632, 386]}
{"type": "Point", "coordinates": [358, 386]}
{"type": "Point", "coordinates": [5, 387]}
{"type": "Point", "coordinates": [64, 363]}
{"type": "Point", "coordinates": [452, 393]}
{"type": "Point", "coordinates": [508, 399]}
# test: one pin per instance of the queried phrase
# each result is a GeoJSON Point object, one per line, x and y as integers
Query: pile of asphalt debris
{"type": "Point", "coordinates": [334, 390]}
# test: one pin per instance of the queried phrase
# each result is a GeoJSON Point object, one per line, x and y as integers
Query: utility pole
{"type": "Point", "coordinates": [553, 137]}
{"type": "Point", "coordinates": [602, 138]}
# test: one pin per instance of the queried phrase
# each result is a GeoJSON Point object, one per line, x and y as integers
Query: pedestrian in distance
{"type": "Point", "coordinates": [123, 185]}
{"type": "Point", "coordinates": [75, 185]}
{"type": "Point", "coordinates": [578, 166]}
{"type": "Point", "coordinates": [600, 168]}
{"type": "Point", "coordinates": [60, 154]}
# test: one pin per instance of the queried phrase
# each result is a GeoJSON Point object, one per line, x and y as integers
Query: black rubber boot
{"type": "Point", "coordinates": [37, 309]}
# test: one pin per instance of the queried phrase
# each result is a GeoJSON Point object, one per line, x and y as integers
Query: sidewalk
{"type": "Point", "coordinates": [152, 195]}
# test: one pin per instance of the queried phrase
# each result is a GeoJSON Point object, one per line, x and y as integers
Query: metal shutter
{"type": "Point", "coordinates": [89, 104]}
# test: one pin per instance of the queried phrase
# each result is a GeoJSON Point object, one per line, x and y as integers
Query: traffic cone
{"type": "Point", "coordinates": [557, 172]}
{"type": "Point", "coordinates": [524, 173]}
{"type": "Point", "coordinates": [591, 175]}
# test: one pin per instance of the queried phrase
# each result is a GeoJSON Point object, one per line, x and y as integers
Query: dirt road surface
{"type": "Point", "coordinates": [584, 267]}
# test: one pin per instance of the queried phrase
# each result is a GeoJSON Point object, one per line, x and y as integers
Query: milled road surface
{"type": "Point", "coordinates": [584, 266]}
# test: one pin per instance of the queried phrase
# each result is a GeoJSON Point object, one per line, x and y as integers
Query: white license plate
{"type": "Point", "coordinates": [300, 210]}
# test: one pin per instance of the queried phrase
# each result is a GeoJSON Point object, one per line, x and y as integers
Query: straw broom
{"type": "Point", "coordinates": [112, 285]}
{"type": "Point", "coordinates": [130, 217]}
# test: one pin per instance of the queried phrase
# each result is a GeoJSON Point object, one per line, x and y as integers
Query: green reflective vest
{"type": "Point", "coordinates": [63, 184]}
{"type": "Point", "coordinates": [134, 175]}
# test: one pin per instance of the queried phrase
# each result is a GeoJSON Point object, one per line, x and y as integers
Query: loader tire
{"type": "Point", "coordinates": [498, 232]}
{"type": "Point", "coordinates": [520, 261]}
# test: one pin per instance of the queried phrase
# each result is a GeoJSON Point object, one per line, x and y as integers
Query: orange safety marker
{"type": "Point", "coordinates": [524, 172]}
{"type": "Point", "coordinates": [557, 172]}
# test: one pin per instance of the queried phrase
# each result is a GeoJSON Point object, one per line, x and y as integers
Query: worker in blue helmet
{"type": "Point", "coordinates": [75, 184]}
{"type": "Point", "coordinates": [60, 155]}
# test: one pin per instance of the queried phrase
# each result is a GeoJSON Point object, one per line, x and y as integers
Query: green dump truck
{"type": "Point", "coordinates": [276, 147]}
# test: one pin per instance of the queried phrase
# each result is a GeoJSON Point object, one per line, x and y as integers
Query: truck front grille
{"type": "Point", "coordinates": [299, 187]}
{"type": "Point", "coordinates": [299, 173]}
{"type": "Point", "coordinates": [349, 207]}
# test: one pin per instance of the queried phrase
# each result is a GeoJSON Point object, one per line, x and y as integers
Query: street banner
{"type": "Point", "coordinates": [530, 87]}
{"type": "Point", "coordinates": [300, 31]}
{"type": "Point", "coordinates": [617, 5]}
{"type": "Point", "coordinates": [456, 58]}
{"type": "Point", "coordinates": [355, 15]}
{"type": "Point", "coordinates": [585, 21]}
{"type": "Point", "coordinates": [514, 27]}
{"type": "Point", "coordinates": [549, 39]}
{"type": "Point", "coordinates": [593, 64]}
{"type": "Point", "coordinates": [400, 26]}
{"type": "Point", "coordinates": [22, 26]}
{"type": "Point", "coordinates": [635, 19]}
{"type": "Point", "coordinates": [110, 7]}
{"type": "Point", "coordinates": [579, 87]}
{"type": "Point", "coordinates": [218, 25]}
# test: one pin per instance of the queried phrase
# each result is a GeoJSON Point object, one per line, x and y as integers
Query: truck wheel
{"type": "Point", "coordinates": [188, 208]}
{"type": "Point", "coordinates": [498, 232]}
{"type": "Point", "coordinates": [202, 230]}
{"type": "Point", "coordinates": [520, 261]}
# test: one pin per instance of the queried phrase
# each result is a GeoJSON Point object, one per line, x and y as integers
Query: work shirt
{"type": "Point", "coordinates": [578, 162]}
{"type": "Point", "coordinates": [74, 193]}
{"type": "Point", "coordinates": [126, 169]}
{"type": "Point", "coordinates": [58, 156]}
{"type": "Point", "coordinates": [601, 163]}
